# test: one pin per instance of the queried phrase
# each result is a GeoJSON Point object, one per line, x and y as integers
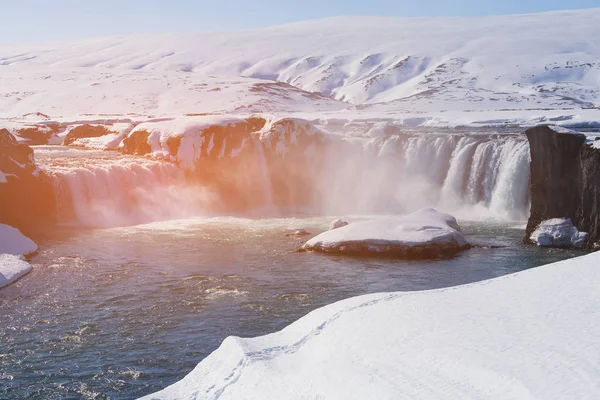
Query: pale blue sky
{"type": "Point", "coordinates": [41, 20]}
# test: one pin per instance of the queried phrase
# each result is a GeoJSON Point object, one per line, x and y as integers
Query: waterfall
{"type": "Point", "coordinates": [100, 189]}
{"type": "Point", "coordinates": [264, 169]}
{"type": "Point", "coordinates": [472, 176]}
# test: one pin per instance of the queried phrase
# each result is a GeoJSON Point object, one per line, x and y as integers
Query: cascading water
{"type": "Point", "coordinates": [95, 188]}
{"type": "Point", "coordinates": [474, 176]}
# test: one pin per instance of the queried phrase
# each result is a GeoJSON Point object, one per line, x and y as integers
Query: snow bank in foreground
{"type": "Point", "coordinates": [528, 335]}
{"type": "Point", "coordinates": [12, 241]}
{"type": "Point", "coordinates": [12, 268]}
{"type": "Point", "coordinates": [13, 247]}
{"type": "Point", "coordinates": [427, 232]}
{"type": "Point", "coordinates": [558, 232]}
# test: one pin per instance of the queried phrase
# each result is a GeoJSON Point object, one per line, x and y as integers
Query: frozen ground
{"type": "Point", "coordinates": [533, 334]}
{"type": "Point", "coordinates": [423, 71]}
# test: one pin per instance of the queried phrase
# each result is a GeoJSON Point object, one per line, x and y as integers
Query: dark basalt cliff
{"type": "Point", "coordinates": [565, 180]}
{"type": "Point", "coordinates": [26, 194]}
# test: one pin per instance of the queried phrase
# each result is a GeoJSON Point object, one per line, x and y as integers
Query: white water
{"type": "Point", "coordinates": [473, 177]}
{"type": "Point", "coordinates": [95, 188]}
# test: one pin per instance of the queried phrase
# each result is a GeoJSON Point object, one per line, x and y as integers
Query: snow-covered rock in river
{"type": "Point", "coordinates": [528, 335]}
{"type": "Point", "coordinates": [12, 268]}
{"type": "Point", "coordinates": [425, 233]}
{"type": "Point", "coordinates": [13, 247]}
{"type": "Point", "coordinates": [558, 232]}
{"type": "Point", "coordinates": [337, 223]}
{"type": "Point", "coordinates": [12, 241]}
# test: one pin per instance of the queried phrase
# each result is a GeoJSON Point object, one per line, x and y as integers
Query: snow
{"type": "Point", "coordinates": [426, 228]}
{"type": "Point", "coordinates": [530, 335]}
{"type": "Point", "coordinates": [12, 268]}
{"type": "Point", "coordinates": [423, 71]}
{"type": "Point", "coordinates": [558, 232]}
{"type": "Point", "coordinates": [110, 141]}
{"type": "Point", "coordinates": [337, 223]}
{"type": "Point", "coordinates": [12, 241]}
{"type": "Point", "coordinates": [189, 129]}
{"type": "Point", "coordinates": [13, 247]}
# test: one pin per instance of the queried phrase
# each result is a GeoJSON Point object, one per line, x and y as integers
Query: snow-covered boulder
{"type": "Point", "coordinates": [12, 268]}
{"type": "Point", "coordinates": [14, 246]}
{"type": "Point", "coordinates": [337, 223]}
{"type": "Point", "coordinates": [12, 241]}
{"type": "Point", "coordinates": [425, 233]}
{"type": "Point", "coordinates": [558, 232]}
{"type": "Point", "coordinates": [531, 335]}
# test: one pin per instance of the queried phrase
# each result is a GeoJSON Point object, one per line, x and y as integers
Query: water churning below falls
{"type": "Point", "coordinates": [125, 309]}
{"type": "Point", "coordinates": [122, 312]}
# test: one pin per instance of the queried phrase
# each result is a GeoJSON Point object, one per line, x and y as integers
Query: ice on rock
{"type": "Point", "coordinates": [558, 232]}
{"type": "Point", "coordinates": [530, 335]}
{"type": "Point", "coordinates": [337, 223]}
{"type": "Point", "coordinates": [425, 233]}
{"type": "Point", "coordinates": [13, 247]}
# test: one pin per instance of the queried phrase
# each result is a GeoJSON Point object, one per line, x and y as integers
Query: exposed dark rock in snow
{"type": "Point", "coordinates": [37, 134]}
{"type": "Point", "coordinates": [85, 131]}
{"type": "Point", "coordinates": [565, 180]}
{"type": "Point", "coordinates": [26, 194]}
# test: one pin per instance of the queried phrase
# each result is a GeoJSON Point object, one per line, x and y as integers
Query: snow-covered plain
{"type": "Point", "coordinates": [558, 232]}
{"type": "Point", "coordinates": [428, 231]}
{"type": "Point", "coordinates": [13, 247]}
{"type": "Point", "coordinates": [531, 335]}
{"type": "Point", "coordinates": [486, 70]}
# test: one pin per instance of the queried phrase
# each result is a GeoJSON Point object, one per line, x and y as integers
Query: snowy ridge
{"type": "Point", "coordinates": [499, 339]}
{"type": "Point", "coordinates": [369, 64]}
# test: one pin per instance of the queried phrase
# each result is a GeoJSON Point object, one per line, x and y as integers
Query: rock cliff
{"type": "Point", "coordinates": [565, 180]}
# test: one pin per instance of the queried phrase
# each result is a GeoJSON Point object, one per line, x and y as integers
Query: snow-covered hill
{"type": "Point", "coordinates": [362, 64]}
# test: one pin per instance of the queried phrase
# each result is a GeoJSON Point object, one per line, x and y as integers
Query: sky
{"type": "Point", "coordinates": [48, 20]}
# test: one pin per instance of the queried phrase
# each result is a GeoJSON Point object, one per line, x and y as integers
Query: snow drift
{"type": "Point", "coordinates": [425, 233]}
{"type": "Point", "coordinates": [529, 335]}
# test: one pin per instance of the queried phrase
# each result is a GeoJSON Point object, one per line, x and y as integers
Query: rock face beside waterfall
{"type": "Point", "coordinates": [565, 180]}
{"type": "Point", "coordinates": [27, 195]}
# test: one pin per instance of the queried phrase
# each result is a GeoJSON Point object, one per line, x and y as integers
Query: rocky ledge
{"type": "Point", "coordinates": [565, 181]}
{"type": "Point", "coordinates": [26, 194]}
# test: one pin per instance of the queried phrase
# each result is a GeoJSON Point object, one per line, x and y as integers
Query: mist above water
{"type": "Point", "coordinates": [476, 177]}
